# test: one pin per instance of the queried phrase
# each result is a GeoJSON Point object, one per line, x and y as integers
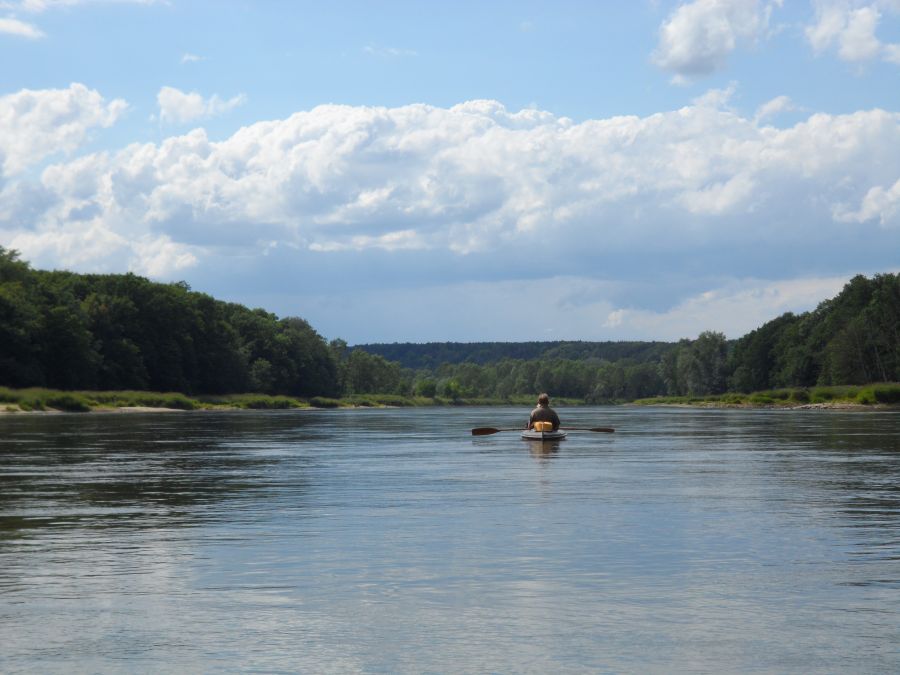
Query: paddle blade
{"type": "Point", "coordinates": [484, 431]}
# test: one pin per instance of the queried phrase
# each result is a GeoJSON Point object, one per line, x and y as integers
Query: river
{"type": "Point", "coordinates": [392, 541]}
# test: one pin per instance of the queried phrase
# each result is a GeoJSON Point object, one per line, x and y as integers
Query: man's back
{"type": "Point", "coordinates": [544, 413]}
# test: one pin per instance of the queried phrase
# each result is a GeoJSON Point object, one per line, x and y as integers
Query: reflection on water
{"type": "Point", "coordinates": [393, 541]}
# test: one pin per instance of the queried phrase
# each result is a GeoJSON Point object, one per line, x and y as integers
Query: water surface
{"type": "Point", "coordinates": [393, 541]}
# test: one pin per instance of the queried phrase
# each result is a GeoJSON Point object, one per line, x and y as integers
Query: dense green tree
{"type": "Point", "coordinates": [116, 331]}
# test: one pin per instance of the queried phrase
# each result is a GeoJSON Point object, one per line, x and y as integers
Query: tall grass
{"type": "Point", "coordinates": [885, 393]}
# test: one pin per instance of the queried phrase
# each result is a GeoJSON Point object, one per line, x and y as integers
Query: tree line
{"type": "Point", "coordinates": [853, 338]}
{"type": "Point", "coordinates": [121, 331]}
{"type": "Point", "coordinates": [432, 355]}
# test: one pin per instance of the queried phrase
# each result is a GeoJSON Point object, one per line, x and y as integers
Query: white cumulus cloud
{"type": "Point", "coordinates": [178, 107]}
{"type": "Point", "coordinates": [850, 27]}
{"type": "Point", "coordinates": [698, 36]}
{"type": "Point", "coordinates": [35, 124]}
{"type": "Point", "coordinates": [524, 193]}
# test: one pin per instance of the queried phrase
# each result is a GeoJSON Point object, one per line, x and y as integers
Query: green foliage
{"type": "Point", "coordinates": [426, 388]}
{"type": "Point", "coordinates": [853, 338]}
{"type": "Point", "coordinates": [364, 373]}
{"type": "Point", "coordinates": [887, 393]}
{"type": "Point", "coordinates": [324, 402]}
{"type": "Point", "coordinates": [697, 367]}
{"type": "Point", "coordinates": [866, 396]}
{"type": "Point", "coordinates": [879, 393]}
{"type": "Point", "coordinates": [799, 396]}
{"type": "Point", "coordinates": [123, 332]}
{"type": "Point", "coordinates": [67, 401]}
{"type": "Point", "coordinates": [258, 402]}
{"type": "Point", "coordinates": [431, 356]}
{"type": "Point", "coordinates": [148, 399]}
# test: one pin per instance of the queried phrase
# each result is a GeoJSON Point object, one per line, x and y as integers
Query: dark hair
{"type": "Point", "coordinates": [543, 399]}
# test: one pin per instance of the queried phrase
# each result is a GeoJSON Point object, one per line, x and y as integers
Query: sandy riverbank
{"type": "Point", "coordinates": [130, 409]}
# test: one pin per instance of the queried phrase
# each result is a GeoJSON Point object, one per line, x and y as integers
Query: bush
{"type": "Point", "coordinates": [361, 401]}
{"type": "Point", "coordinates": [324, 402]}
{"type": "Point", "coordinates": [267, 402]}
{"type": "Point", "coordinates": [799, 396]}
{"type": "Point", "coordinates": [866, 397]}
{"type": "Point", "coordinates": [178, 402]}
{"type": "Point", "coordinates": [761, 399]}
{"type": "Point", "coordinates": [392, 400]}
{"type": "Point", "coordinates": [174, 400]}
{"type": "Point", "coordinates": [887, 393]}
{"type": "Point", "coordinates": [9, 395]}
{"type": "Point", "coordinates": [30, 403]}
{"type": "Point", "coordinates": [67, 402]}
{"type": "Point", "coordinates": [821, 395]}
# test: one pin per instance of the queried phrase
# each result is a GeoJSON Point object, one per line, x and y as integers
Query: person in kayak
{"type": "Point", "coordinates": [543, 413]}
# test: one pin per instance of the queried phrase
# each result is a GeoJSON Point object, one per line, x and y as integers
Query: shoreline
{"type": "Point", "coordinates": [843, 406]}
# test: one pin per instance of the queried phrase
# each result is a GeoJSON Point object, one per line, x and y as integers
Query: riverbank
{"type": "Point", "coordinates": [870, 396]}
{"type": "Point", "coordinates": [37, 400]}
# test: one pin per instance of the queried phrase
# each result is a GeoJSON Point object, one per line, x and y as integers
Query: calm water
{"type": "Point", "coordinates": [393, 541]}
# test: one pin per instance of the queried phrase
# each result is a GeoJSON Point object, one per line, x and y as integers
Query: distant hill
{"type": "Point", "coordinates": [431, 355]}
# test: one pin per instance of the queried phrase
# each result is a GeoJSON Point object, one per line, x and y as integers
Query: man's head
{"type": "Point", "coordinates": [543, 399]}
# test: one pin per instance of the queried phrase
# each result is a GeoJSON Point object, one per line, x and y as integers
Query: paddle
{"type": "Point", "coordinates": [486, 431]}
{"type": "Point", "coordinates": [605, 430]}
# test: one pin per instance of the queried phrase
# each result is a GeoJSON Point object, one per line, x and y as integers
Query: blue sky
{"type": "Point", "coordinates": [460, 171]}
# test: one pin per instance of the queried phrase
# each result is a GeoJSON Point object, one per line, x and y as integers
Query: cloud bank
{"type": "Point", "coordinates": [685, 200]}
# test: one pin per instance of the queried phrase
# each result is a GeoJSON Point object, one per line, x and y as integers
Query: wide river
{"type": "Point", "coordinates": [392, 541]}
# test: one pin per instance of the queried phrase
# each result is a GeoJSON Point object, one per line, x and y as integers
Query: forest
{"type": "Point", "coordinates": [74, 331]}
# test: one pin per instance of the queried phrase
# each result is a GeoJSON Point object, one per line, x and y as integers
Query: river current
{"type": "Point", "coordinates": [392, 541]}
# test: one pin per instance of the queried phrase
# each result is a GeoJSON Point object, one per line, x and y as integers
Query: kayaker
{"type": "Point", "coordinates": [543, 413]}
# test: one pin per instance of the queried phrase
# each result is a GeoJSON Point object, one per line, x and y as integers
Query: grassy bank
{"type": "Point", "coordinates": [862, 395]}
{"type": "Point", "coordinates": [38, 399]}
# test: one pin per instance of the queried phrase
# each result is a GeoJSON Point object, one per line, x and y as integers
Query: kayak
{"type": "Point", "coordinates": [532, 435]}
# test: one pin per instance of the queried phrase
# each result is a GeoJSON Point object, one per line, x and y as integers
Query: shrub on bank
{"type": "Point", "coordinates": [67, 402]}
{"type": "Point", "coordinates": [264, 402]}
{"type": "Point", "coordinates": [879, 393]}
{"type": "Point", "coordinates": [324, 402]}
{"type": "Point", "coordinates": [8, 395]}
{"type": "Point", "coordinates": [799, 396]}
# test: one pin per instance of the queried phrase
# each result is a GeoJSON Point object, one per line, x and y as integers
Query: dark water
{"type": "Point", "coordinates": [393, 541]}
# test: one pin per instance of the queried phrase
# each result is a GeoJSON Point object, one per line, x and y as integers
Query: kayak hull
{"type": "Point", "coordinates": [532, 435]}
